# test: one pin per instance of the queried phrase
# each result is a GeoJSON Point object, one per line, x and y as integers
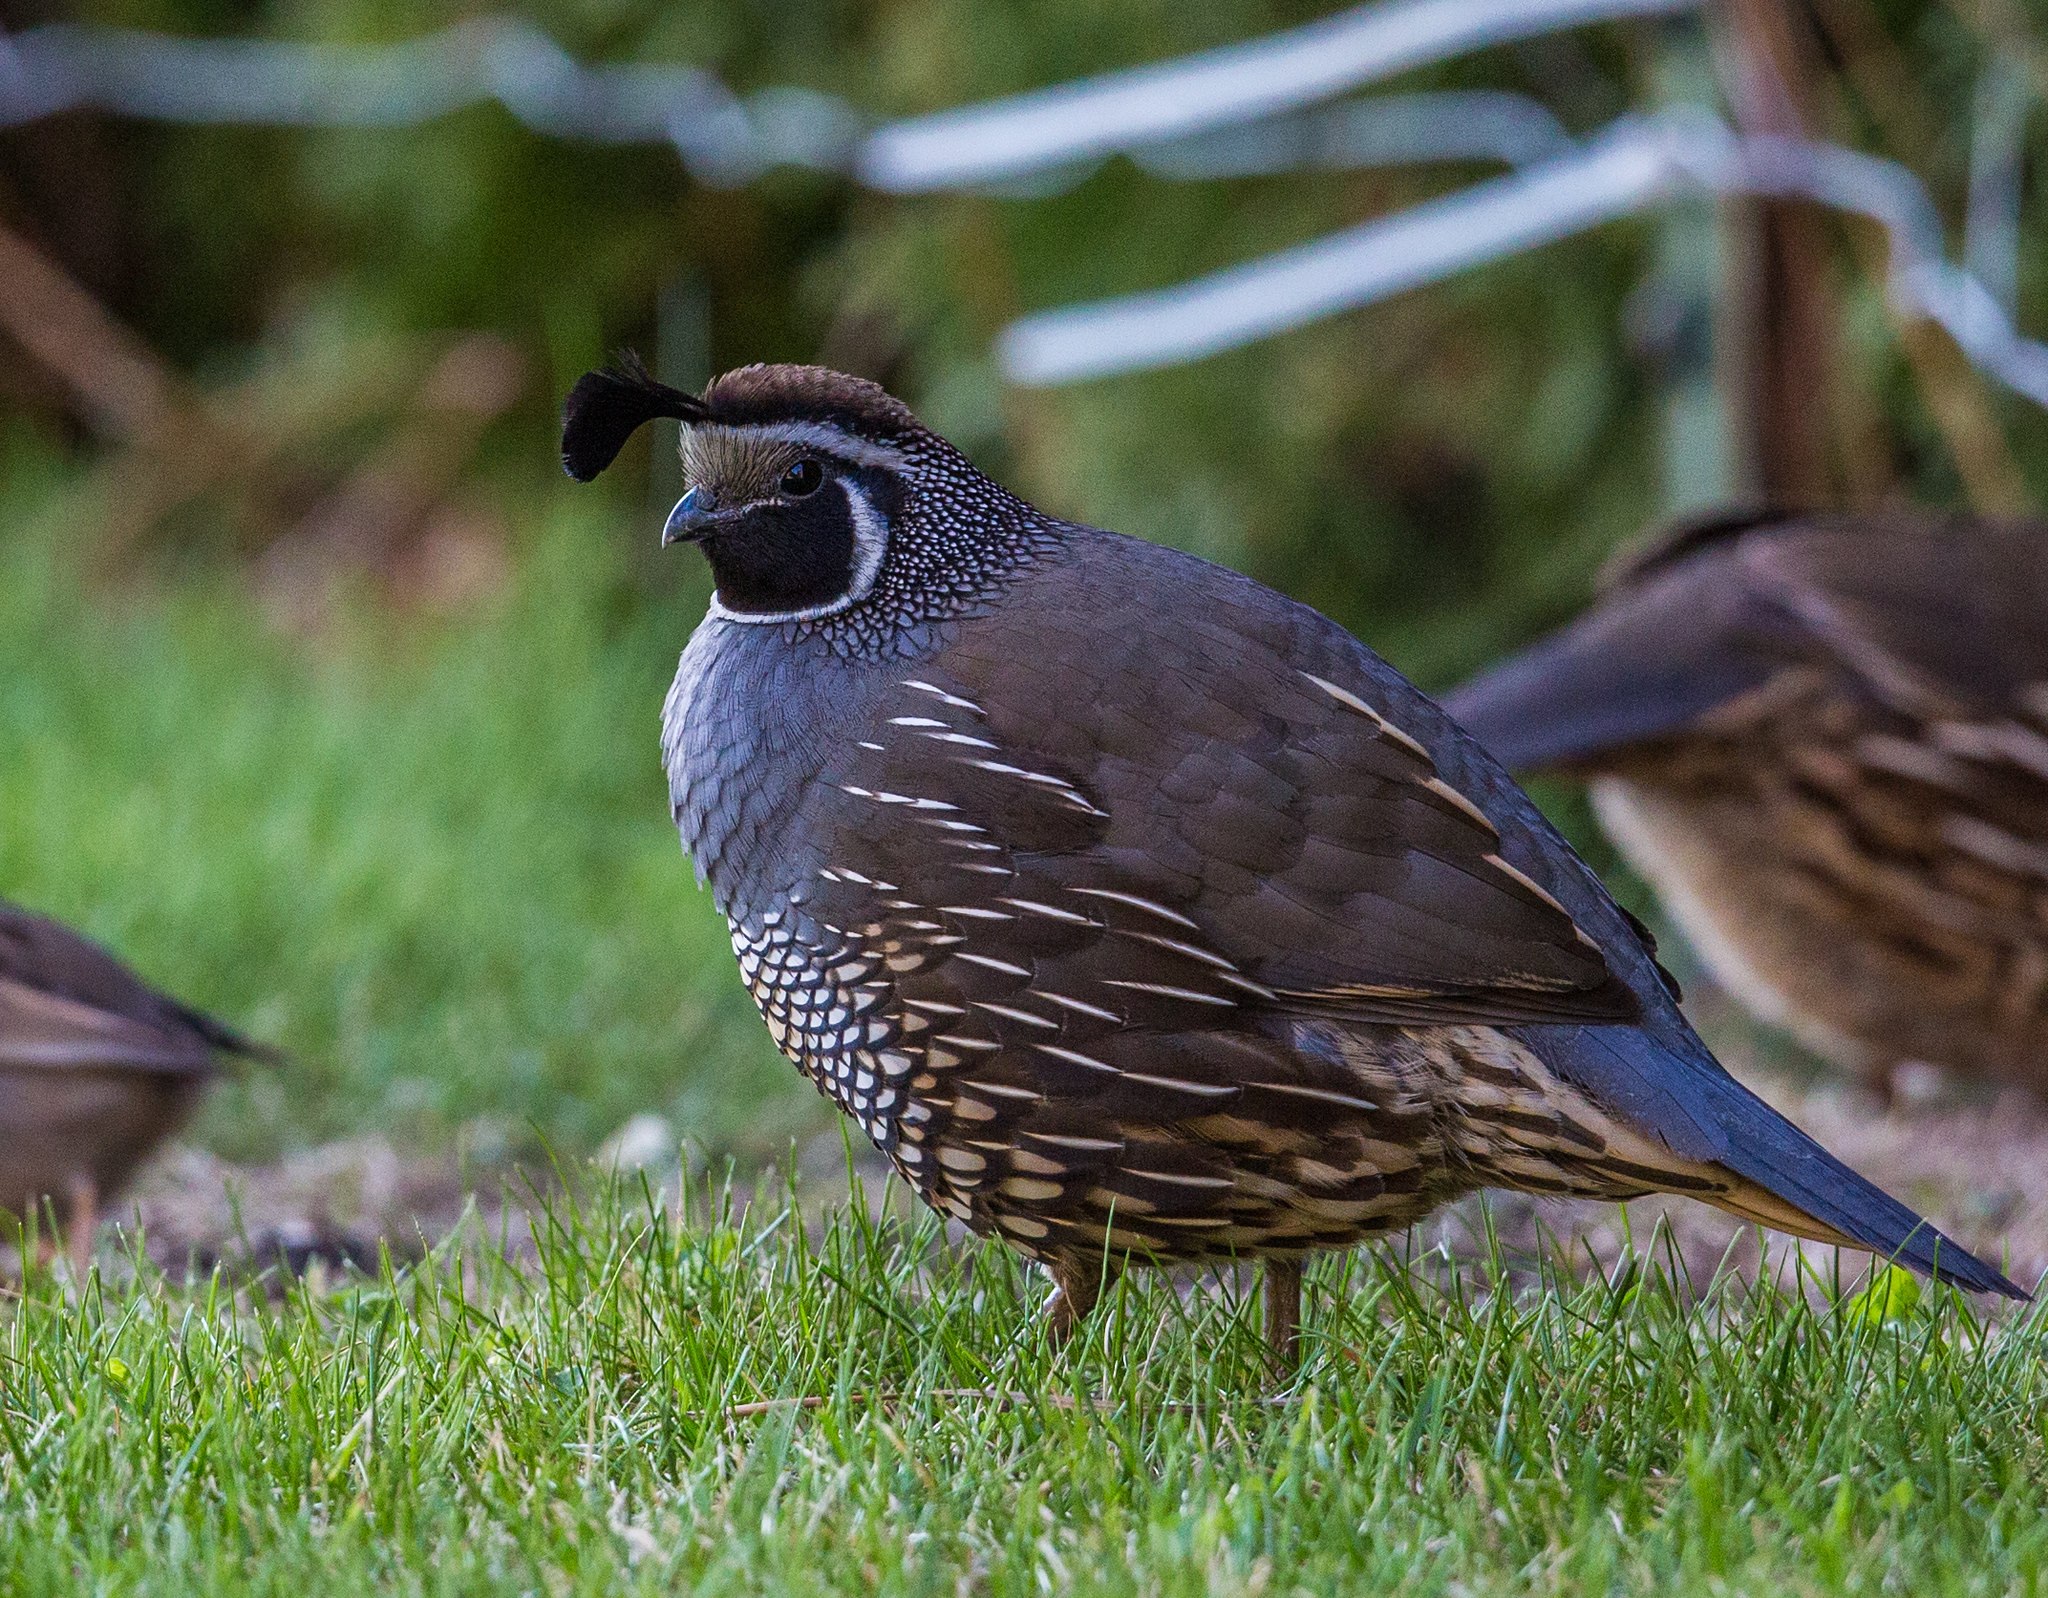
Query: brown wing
{"type": "Point", "coordinates": [1189, 804]}
{"type": "Point", "coordinates": [41, 1030]}
{"type": "Point", "coordinates": [1938, 614]}
{"type": "Point", "coordinates": [56, 985]}
{"type": "Point", "coordinates": [1935, 631]}
{"type": "Point", "coordinates": [1077, 900]}
{"type": "Point", "coordinates": [1926, 615]}
{"type": "Point", "coordinates": [1065, 909]}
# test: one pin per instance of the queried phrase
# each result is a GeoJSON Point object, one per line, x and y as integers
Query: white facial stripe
{"type": "Point", "coordinates": [870, 541]}
{"type": "Point", "coordinates": [812, 435]}
{"type": "Point", "coordinates": [870, 544]}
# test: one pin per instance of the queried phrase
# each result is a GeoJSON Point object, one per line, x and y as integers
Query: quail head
{"type": "Point", "coordinates": [96, 1069]}
{"type": "Point", "coordinates": [1133, 910]}
{"type": "Point", "coordinates": [1823, 739]}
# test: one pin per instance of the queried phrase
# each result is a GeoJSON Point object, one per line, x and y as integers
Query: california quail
{"type": "Point", "coordinates": [1824, 741]}
{"type": "Point", "coordinates": [1133, 910]}
{"type": "Point", "coordinates": [96, 1069]}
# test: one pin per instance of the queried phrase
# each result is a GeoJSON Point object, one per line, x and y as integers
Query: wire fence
{"type": "Point", "coordinates": [724, 137]}
{"type": "Point", "coordinates": [1235, 84]}
{"type": "Point", "coordinates": [721, 137]}
{"type": "Point", "coordinates": [1258, 107]}
{"type": "Point", "coordinates": [1635, 165]}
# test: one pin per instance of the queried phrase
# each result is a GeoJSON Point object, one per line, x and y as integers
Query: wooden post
{"type": "Point", "coordinates": [1780, 330]}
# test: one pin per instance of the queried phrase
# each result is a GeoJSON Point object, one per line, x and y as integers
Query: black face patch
{"type": "Point", "coordinates": [785, 555]}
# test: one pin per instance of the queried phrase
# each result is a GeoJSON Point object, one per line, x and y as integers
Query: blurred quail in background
{"type": "Point", "coordinates": [1824, 741]}
{"type": "Point", "coordinates": [96, 1069]}
{"type": "Point", "coordinates": [1133, 910]}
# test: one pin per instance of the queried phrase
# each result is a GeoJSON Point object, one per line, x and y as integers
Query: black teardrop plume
{"type": "Point", "coordinates": [604, 409]}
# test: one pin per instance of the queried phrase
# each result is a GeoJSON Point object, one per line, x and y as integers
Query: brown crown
{"type": "Point", "coordinates": [754, 394]}
{"type": "Point", "coordinates": [604, 409]}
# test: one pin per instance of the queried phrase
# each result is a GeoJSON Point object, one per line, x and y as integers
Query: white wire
{"type": "Point", "coordinates": [1635, 164]}
{"type": "Point", "coordinates": [725, 138]}
{"type": "Point", "coordinates": [1238, 83]}
{"type": "Point", "coordinates": [61, 67]}
{"type": "Point", "coordinates": [1377, 130]}
{"type": "Point", "coordinates": [1181, 118]}
{"type": "Point", "coordinates": [1609, 178]}
{"type": "Point", "coordinates": [1922, 281]}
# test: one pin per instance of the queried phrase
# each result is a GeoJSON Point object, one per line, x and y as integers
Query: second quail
{"type": "Point", "coordinates": [1824, 741]}
{"type": "Point", "coordinates": [96, 1069]}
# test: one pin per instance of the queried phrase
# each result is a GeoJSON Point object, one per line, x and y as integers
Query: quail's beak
{"type": "Point", "coordinates": [687, 521]}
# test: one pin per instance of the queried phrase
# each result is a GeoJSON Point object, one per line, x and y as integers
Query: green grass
{"type": "Point", "coordinates": [433, 858]}
{"type": "Point", "coordinates": [618, 1416]}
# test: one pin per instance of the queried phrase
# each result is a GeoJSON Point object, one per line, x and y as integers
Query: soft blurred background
{"type": "Point", "coordinates": [331, 704]}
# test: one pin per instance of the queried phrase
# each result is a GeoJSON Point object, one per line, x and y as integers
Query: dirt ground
{"type": "Point", "coordinates": [1974, 1162]}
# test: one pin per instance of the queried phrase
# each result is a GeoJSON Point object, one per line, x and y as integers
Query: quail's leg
{"type": "Point", "coordinates": [1283, 1312]}
{"type": "Point", "coordinates": [1076, 1285]}
{"type": "Point", "coordinates": [81, 1223]}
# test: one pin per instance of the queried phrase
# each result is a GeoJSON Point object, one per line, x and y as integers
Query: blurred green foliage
{"type": "Point", "coordinates": [1440, 472]}
{"type": "Point", "coordinates": [1396, 467]}
{"type": "Point", "coordinates": [433, 853]}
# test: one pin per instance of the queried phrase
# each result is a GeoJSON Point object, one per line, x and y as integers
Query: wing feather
{"type": "Point", "coordinates": [1258, 783]}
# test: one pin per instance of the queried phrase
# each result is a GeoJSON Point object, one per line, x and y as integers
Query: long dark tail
{"type": "Point", "coordinates": [228, 1040]}
{"type": "Point", "coordinates": [1678, 1094]}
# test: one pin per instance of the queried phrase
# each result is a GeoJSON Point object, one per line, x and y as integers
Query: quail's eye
{"type": "Point", "coordinates": [801, 479]}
